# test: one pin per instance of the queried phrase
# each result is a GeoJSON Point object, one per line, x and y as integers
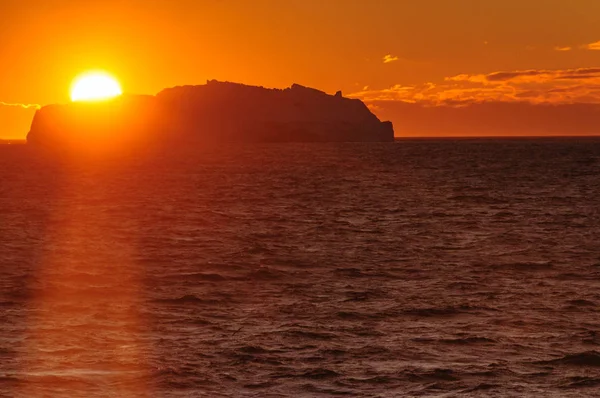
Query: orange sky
{"type": "Point", "coordinates": [430, 51]}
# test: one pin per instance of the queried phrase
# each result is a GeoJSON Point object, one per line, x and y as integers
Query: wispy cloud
{"type": "Point", "coordinates": [389, 58]}
{"type": "Point", "coordinates": [24, 106]}
{"type": "Point", "coordinates": [580, 85]}
{"type": "Point", "coordinates": [593, 46]}
{"type": "Point", "coordinates": [529, 76]}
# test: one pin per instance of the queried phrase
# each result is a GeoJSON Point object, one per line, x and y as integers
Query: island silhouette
{"type": "Point", "coordinates": [217, 112]}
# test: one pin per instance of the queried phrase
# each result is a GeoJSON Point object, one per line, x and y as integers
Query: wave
{"type": "Point", "coordinates": [318, 373]}
{"type": "Point", "coordinates": [265, 274]}
{"type": "Point", "coordinates": [355, 315]}
{"type": "Point", "coordinates": [187, 299]}
{"type": "Point", "coordinates": [583, 359]}
{"type": "Point", "coordinates": [582, 303]}
{"type": "Point", "coordinates": [582, 382]}
{"type": "Point", "coordinates": [209, 277]}
{"type": "Point", "coordinates": [372, 380]}
{"type": "Point", "coordinates": [444, 311]}
{"type": "Point", "coordinates": [457, 341]}
{"type": "Point", "coordinates": [482, 387]}
{"type": "Point", "coordinates": [528, 266]}
{"type": "Point", "coordinates": [254, 350]}
{"type": "Point", "coordinates": [321, 391]}
{"type": "Point", "coordinates": [304, 334]}
{"type": "Point", "coordinates": [264, 384]}
{"type": "Point", "coordinates": [434, 375]}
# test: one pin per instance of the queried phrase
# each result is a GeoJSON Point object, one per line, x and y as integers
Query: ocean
{"type": "Point", "coordinates": [433, 268]}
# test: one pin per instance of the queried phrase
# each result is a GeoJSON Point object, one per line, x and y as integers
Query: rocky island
{"type": "Point", "coordinates": [217, 112]}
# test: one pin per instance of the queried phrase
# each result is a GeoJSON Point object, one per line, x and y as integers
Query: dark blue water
{"type": "Point", "coordinates": [420, 268]}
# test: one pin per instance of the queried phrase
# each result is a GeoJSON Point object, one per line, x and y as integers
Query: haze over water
{"type": "Point", "coordinates": [420, 268]}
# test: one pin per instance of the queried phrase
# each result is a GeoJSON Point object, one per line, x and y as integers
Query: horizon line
{"type": "Point", "coordinates": [23, 141]}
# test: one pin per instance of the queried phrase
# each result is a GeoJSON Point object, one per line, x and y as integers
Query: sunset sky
{"type": "Point", "coordinates": [428, 52]}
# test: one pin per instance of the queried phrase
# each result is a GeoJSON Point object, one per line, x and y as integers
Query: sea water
{"type": "Point", "coordinates": [415, 268]}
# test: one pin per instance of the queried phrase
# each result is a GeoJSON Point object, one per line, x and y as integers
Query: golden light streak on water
{"type": "Point", "coordinates": [85, 330]}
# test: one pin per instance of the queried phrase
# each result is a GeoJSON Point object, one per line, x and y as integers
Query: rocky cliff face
{"type": "Point", "coordinates": [215, 112]}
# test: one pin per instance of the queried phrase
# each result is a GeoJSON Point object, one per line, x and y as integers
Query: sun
{"type": "Point", "coordinates": [95, 86]}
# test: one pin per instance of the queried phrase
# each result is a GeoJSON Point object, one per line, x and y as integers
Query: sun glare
{"type": "Point", "coordinates": [95, 86]}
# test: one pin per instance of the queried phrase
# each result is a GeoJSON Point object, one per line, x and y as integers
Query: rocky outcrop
{"type": "Point", "coordinates": [215, 112]}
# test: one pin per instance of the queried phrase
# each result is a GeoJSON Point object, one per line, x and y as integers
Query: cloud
{"type": "Point", "coordinates": [528, 76]}
{"type": "Point", "coordinates": [24, 106]}
{"type": "Point", "coordinates": [430, 94]}
{"type": "Point", "coordinates": [593, 46]}
{"type": "Point", "coordinates": [389, 58]}
{"type": "Point", "coordinates": [581, 85]}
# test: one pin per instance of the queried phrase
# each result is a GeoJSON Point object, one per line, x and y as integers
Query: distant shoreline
{"type": "Point", "coordinates": [498, 137]}
{"type": "Point", "coordinates": [438, 138]}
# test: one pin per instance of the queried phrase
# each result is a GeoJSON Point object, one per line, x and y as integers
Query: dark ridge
{"type": "Point", "coordinates": [528, 266]}
{"type": "Point", "coordinates": [581, 382]}
{"type": "Point", "coordinates": [482, 387]}
{"type": "Point", "coordinates": [319, 373]}
{"type": "Point", "coordinates": [442, 311]}
{"type": "Point", "coordinates": [189, 321]}
{"type": "Point", "coordinates": [358, 296]}
{"type": "Point", "coordinates": [254, 350]}
{"type": "Point", "coordinates": [438, 386]}
{"type": "Point", "coordinates": [582, 303]}
{"type": "Point", "coordinates": [319, 391]}
{"type": "Point", "coordinates": [355, 315]}
{"type": "Point", "coordinates": [265, 384]}
{"type": "Point", "coordinates": [187, 299]}
{"type": "Point", "coordinates": [435, 375]}
{"type": "Point", "coordinates": [264, 274]}
{"type": "Point", "coordinates": [6, 351]}
{"type": "Point", "coordinates": [333, 353]}
{"type": "Point", "coordinates": [373, 380]}
{"type": "Point", "coordinates": [458, 341]}
{"type": "Point", "coordinates": [9, 380]}
{"type": "Point", "coordinates": [430, 312]}
{"type": "Point", "coordinates": [350, 272]}
{"type": "Point", "coordinates": [243, 359]}
{"type": "Point", "coordinates": [584, 359]}
{"type": "Point", "coordinates": [468, 340]}
{"type": "Point", "coordinates": [309, 335]}
{"type": "Point", "coordinates": [203, 277]}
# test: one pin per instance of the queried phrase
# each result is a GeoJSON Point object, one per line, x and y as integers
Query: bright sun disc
{"type": "Point", "coordinates": [95, 86]}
